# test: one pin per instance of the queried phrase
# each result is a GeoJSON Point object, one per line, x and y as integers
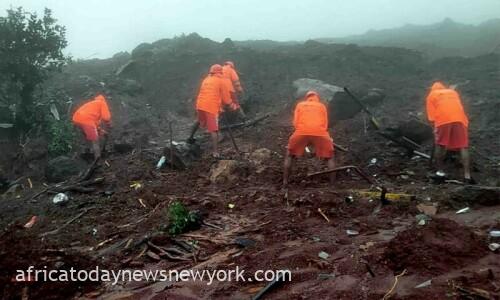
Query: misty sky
{"type": "Point", "coordinates": [100, 28]}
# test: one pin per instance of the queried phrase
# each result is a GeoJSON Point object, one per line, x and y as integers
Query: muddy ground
{"type": "Point", "coordinates": [451, 250]}
{"type": "Point", "coordinates": [111, 228]}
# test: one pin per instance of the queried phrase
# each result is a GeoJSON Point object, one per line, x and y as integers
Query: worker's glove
{"type": "Point", "coordinates": [234, 106]}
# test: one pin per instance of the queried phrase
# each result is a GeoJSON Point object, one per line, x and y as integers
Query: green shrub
{"type": "Point", "coordinates": [61, 137]}
{"type": "Point", "coordinates": [181, 219]}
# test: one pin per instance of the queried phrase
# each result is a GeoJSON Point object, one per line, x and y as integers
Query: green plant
{"type": "Point", "coordinates": [30, 50]}
{"type": "Point", "coordinates": [61, 136]}
{"type": "Point", "coordinates": [181, 219]}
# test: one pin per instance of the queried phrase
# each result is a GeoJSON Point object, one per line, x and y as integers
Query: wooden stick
{"type": "Point", "coordinates": [341, 148]}
{"type": "Point", "coordinates": [388, 294]}
{"type": "Point", "coordinates": [323, 214]}
{"type": "Point", "coordinates": [55, 231]}
{"type": "Point", "coordinates": [355, 168]}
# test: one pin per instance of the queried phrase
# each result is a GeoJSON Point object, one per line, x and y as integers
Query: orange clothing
{"type": "Point", "coordinates": [214, 92]}
{"type": "Point", "coordinates": [323, 145]}
{"type": "Point", "coordinates": [444, 106]}
{"type": "Point", "coordinates": [231, 74]}
{"type": "Point", "coordinates": [93, 112]}
{"type": "Point", "coordinates": [311, 117]}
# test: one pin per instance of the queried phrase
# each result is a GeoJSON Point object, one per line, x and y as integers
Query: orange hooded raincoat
{"type": "Point", "coordinates": [444, 106]}
{"type": "Point", "coordinates": [93, 112]}
{"type": "Point", "coordinates": [311, 117]}
{"type": "Point", "coordinates": [214, 93]}
{"type": "Point", "coordinates": [229, 73]}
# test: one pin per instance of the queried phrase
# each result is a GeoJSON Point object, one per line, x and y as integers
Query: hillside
{"type": "Point", "coordinates": [447, 38]}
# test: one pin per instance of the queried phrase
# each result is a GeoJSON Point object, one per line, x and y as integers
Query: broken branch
{"type": "Point", "coordinates": [55, 231]}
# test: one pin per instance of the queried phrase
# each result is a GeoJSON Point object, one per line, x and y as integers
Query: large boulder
{"type": "Point", "coordinates": [62, 168]}
{"type": "Point", "coordinates": [325, 90]}
{"type": "Point", "coordinates": [340, 105]}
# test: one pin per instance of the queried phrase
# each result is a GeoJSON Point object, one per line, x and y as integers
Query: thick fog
{"type": "Point", "coordinates": [97, 28]}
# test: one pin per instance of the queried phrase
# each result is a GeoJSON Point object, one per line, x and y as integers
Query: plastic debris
{"type": "Point", "coordinates": [349, 199]}
{"type": "Point", "coordinates": [422, 219]}
{"type": "Point", "coordinates": [60, 198]}
{"type": "Point", "coordinates": [440, 174]}
{"type": "Point", "coordinates": [316, 239]}
{"type": "Point", "coordinates": [161, 162]}
{"type": "Point", "coordinates": [373, 161]}
{"type": "Point", "coordinates": [136, 185]}
{"type": "Point", "coordinates": [495, 233]}
{"type": "Point", "coordinates": [352, 232]}
{"type": "Point", "coordinates": [494, 246]}
{"type": "Point", "coordinates": [323, 255]}
{"type": "Point", "coordinates": [31, 222]}
{"type": "Point", "coordinates": [231, 205]}
{"type": "Point", "coordinates": [94, 231]}
{"type": "Point", "coordinates": [463, 211]}
{"type": "Point", "coordinates": [424, 284]}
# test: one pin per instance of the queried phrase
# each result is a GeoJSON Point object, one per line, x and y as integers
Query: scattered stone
{"type": "Point", "coordinates": [60, 198]}
{"type": "Point", "coordinates": [260, 156]}
{"type": "Point", "coordinates": [323, 255]}
{"type": "Point", "coordinates": [494, 246]}
{"type": "Point", "coordinates": [429, 210]}
{"type": "Point", "coordinates": [366, 246]}
{"type": "Point", "coordinates": [224, 171]}
{"type": "Point", "coordinates": [244, 242]}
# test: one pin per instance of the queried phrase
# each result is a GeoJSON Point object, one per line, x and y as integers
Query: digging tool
{"type": "Point", "coordinates": [406, 142]}
{"type": "Point", "coordinates": [171, 145]}
{"type": "Point", "coordinates": [231, 135]}
{"type": "Point", "coordinates": [374, 121]}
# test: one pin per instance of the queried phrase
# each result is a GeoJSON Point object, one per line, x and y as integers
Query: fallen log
{"type": "Point", "coordinates": [76, 185]}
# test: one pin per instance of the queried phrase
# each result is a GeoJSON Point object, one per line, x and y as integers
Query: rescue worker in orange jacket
{"type": "Point", "coordinates": [446, 113]}
{"type": "Point", "coordinates": [229, 72]}
{"type": "Point", "coordinates": [213, 95]}
{"type": "Point", "coordinates": [310, 121]}
{"type": "Point", "coordinates": [89, 117]}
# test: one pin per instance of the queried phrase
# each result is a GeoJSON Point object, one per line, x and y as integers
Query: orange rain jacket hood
{"type": "Point", "coordinates": [93, 112]}
{"type": "Point", "coordinates": [444, 106]}
{"type": "Point", "coordinates": [311, 117]}
{"type": "Point", "coordinates": [214, 92]}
